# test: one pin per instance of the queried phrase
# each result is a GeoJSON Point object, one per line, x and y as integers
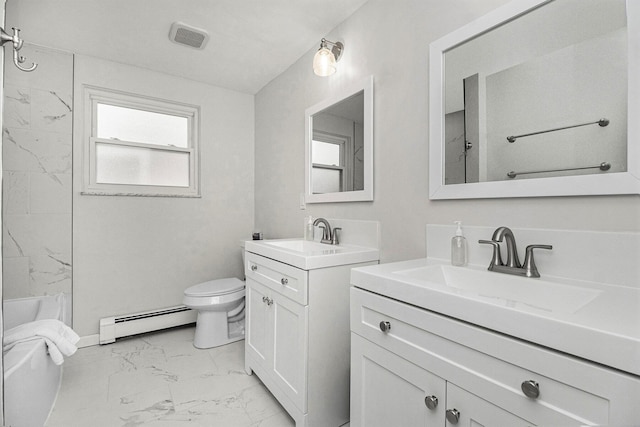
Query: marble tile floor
{"type": "Point", "coordinates": [161, 379]}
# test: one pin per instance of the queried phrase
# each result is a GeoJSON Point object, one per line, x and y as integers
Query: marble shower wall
{"type": "Point", "coordinates": [36, 160]}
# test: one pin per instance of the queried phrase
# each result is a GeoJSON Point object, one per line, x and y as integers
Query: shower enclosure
{"type": "Point", "coordinates": [36, 162]}
{"type": "Point", "coordinates": [36, 171]}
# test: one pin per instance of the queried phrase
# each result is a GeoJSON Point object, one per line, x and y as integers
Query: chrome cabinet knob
{"type": "Point", "coordinates": [284, 281]}
{"type": "Point", "coordinates": [269, 301]}
{"type": "Point", "coordinates": [531, 389]}
{"type": "Point", "coordinates": [264, 299]}
{"type": "Point", "coordinates": [254, 267]}
{"type": "Point", "coordinates": [453, 415]}
{"type": "Point", "coordinates": [385, 326]}
{"type": "Point", "coordinates": [431, 402]}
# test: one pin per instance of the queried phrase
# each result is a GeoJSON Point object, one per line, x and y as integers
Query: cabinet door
{"type": "Point", "coordinates": [258, 326]}
{"type": "Point", "coordinates": [387, 390]}
{"type": "Point", "coordinates": [477, 412]}
{"type": "Point", "coordinates": [289, 361]}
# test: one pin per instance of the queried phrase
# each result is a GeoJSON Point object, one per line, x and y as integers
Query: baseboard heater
{"type": "Point", "coordinates": [147, 321]}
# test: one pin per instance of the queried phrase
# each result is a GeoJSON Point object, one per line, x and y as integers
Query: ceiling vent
{"type": "Point", "coordinates": [189, 36]}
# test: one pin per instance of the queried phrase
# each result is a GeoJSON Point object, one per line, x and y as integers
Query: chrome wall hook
{"type": "Point", "coordinates": [17, 42]}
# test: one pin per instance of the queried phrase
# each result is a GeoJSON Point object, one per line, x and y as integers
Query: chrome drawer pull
{"type": "Point", "coordinates": [269, 301]}
{"type": "Point", "coordinates": [453, 415]}
{"type": "Point", "coordinates": [385, 326]}
{"type": "Point", "coordinates": [254, 267]}
{"type": "Point", "coordinates": [284, 281]}
{"type": "Point", "coordinates": [531, 389]}
{"type": "Point", "coordinates": [431, 402]}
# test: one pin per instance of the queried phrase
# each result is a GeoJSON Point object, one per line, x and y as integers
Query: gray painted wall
{"type": "Point", "coordinates": [390, 40]}
{"type": "Point", "coordinates": [133, 254]}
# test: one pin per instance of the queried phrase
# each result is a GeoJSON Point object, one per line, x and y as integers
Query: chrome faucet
{"type": "Point", "coordinates": [512, 250]}
{"type": "Point", "coordinates": [328, 235]}
{"type": "Point", "coordinates": [513, 266]}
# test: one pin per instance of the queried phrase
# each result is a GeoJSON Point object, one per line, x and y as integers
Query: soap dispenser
{"type": "Point", "coordinates": [458, 247]}
{"type": "Point", "coordinates": [308, 228]}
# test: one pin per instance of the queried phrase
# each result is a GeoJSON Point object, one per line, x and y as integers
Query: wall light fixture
{"type": "Point", "coordinates": [324, 61]}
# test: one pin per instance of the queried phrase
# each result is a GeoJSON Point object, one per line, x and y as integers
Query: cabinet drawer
{"type": "Point", "coordinates": [282, 278]}
{"type": "Point", "coordinates": [433, 342]}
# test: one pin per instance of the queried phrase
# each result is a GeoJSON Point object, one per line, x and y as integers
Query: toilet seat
{"type": "Point", "coordinates": [218, 302]}
{"type": "Point", "coordinates": [216, 287]}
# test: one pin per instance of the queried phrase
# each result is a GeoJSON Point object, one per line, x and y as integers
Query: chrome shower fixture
{"type": "Point", "coordinates": [17, 45]}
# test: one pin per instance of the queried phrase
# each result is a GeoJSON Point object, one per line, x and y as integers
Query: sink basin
{"type": "Point", "coordinates": [572, 315]}
{"type": "Point", "coordinates": [507, 290]}
{"type": "Point", "coordinates": [309, 255]}
{"type": "Point", "coordinates": [304, 246]}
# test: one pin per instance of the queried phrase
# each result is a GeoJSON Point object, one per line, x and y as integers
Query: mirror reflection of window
{"type": "Point", "coordinates": [327, 153]}
{"type": "Point", "coordinates": [329, 169]}
{"type": "Point", "coordinates": [337, 147]}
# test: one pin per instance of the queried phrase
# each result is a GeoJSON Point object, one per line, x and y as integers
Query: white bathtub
{"type": "Point", "coordinates": [31, 379]}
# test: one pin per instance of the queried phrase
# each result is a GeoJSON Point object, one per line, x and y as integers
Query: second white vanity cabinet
{"type": "Point", "coordinates": [414, 367]}
{"type": "Point", "coordinates": [297, 337]}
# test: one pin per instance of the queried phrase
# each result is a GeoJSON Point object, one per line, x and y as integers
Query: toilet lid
{"type": "Point", "coordinates": [215, 287]}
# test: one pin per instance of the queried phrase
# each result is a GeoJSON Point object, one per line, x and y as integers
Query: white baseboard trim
{"type": "Point", "coordinates": [88, 341]}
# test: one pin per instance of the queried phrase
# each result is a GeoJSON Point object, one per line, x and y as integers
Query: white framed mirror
{"type": "Point", "coordinates": [537, 98]}
{"type": "Point", "coordinates": [339, 146]}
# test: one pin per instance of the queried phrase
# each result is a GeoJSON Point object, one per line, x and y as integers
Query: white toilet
{"type": "Point", "coordinates": [220, 305]}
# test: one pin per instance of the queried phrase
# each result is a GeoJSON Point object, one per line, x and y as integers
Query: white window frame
{"type": "Point", "coordinates": [346, 152]}
{"type": "Point", "coordinates": [95, 95]}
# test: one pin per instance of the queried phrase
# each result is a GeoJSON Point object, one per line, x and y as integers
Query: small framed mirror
{"type": "Point", "coordinates": [537, 98]}
{"type": "Point", "coordinates": [339, 146]}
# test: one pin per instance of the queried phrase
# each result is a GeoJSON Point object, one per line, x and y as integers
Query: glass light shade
{"type": "Point", "coordinates": [324, 63]}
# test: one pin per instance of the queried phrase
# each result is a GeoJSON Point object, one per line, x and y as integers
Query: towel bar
{"type": "Point", "coordinates": [601, 123]}
{"type": "Point", "coordinates": [604, 166]}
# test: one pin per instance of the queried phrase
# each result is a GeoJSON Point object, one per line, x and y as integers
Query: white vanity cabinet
{"type": "Point", "coordinates": [297, 337]}
{"type": "Point", "coordinates": [404, 357]}
{"type": "Point", "coordinates": [275, 336]}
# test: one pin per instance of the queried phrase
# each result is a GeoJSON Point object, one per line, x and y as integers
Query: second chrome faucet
{"type": "Point", "coordinates": [512, 266]}
{"type": "Point", "coordinates": [328, 235]}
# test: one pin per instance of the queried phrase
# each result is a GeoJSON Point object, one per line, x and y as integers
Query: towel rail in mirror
{"type": "Point", "coordinates": [585, 63]}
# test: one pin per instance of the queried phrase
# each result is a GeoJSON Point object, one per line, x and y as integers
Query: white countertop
{"type": "Point", "coordinates": [603, 327]}
{"type": "Point", "coordinates": [311, 255]}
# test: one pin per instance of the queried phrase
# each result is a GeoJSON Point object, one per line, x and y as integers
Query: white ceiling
{"type": "Point", "coordinates": [251, 41]}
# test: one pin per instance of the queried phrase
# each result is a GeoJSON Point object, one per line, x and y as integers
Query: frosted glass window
{"type": "Point", "coordinates": [326, 180]}
{"type": "Point", "coordinates": [140, 146]}
{"type": "Point", "coordinates": [325, 153]}
{"type": "Point", "coordinates": [134, 125]}
{"type": "Point", "coordinates": [116, 164]}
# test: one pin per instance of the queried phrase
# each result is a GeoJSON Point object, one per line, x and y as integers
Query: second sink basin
{"type": "Point", "coordinates": [303, 246]}
{"type": "Point", "coordinates": [309, 255]}
{"type": "Point", "coordinates": [507, 290]}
